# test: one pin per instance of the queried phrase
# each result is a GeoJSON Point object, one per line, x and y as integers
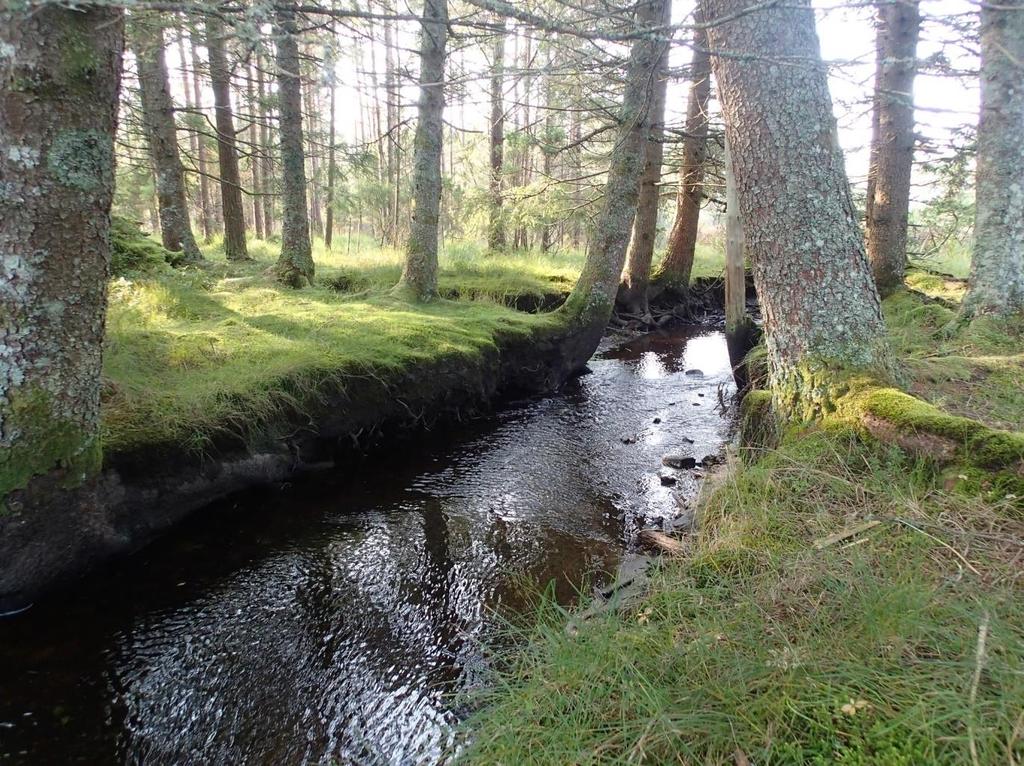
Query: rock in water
{"type": "Point", "coordinates": [679, 461]}
{"type": "Point", "coordinates": [695, 373]}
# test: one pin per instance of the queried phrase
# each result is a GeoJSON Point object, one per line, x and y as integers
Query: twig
{"type": "Point", "coordinates": [943, 543]}
{"type": "Point", "coordinates": [979, 662]}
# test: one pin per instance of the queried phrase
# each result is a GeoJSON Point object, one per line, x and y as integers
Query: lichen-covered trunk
{"type": "Point", "coordinates": [997, 269]}
{"type": "Point", "coordinates": [162, 136]}
{"type": "Point", "coordinates": [822, 313]}
{"type": "Point", "coordinates": [295, 264]}
{"type": "Point", "coordinates": [419, 275]}
{"type": "Point", "coordinates": [227, 154]}
{"type": "Point", "coordinates": [674, 274]}
{"type": "Point", "coordinates": [60, 73]}
{"type": "Point", "coordinates": [636, 274]}
{"type": "Point", "coordinates": [892, 148]}
{"type": "Point", "coordinates": [590, 304]}
{"type": "Point", "coordinates": [496, 220]}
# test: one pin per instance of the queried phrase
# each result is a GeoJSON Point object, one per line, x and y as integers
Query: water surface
{"type": "Point", "coordinates": [339, 619]}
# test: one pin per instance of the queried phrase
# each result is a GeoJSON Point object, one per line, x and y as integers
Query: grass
{"type": "Point", "coordinates": [197, 353]}
{"type": "Point", "coordinates": [903, 644]}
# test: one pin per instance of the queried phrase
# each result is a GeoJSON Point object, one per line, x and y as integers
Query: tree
{"type": "Point", "coordinates": [997, 269]}
{"type": "Point", "coordinates": [892, 142]}
{"type": "Point", "coordinates": [419, 275]}
{"type": "Point", "coordinates": [496, 222]}
{"type": "Point", "coordinates": [674, 274]}
{"type": "Point", "coordinates": [59, 90]}
{"type": "Point", "coordinates": [197, 142]}
{"type": "Point", "coordinates": [227, 154]}
{"type": "Point", "coordinates": [822, 313]}
{"type": "Point", "coordinates": [162, 136]}
{"type": "Point", "coordinates": [295, 264]}
{"type": "Point", "coordinates": [592, 299]}
{"type": "Point", "coordinates": [632, 295]}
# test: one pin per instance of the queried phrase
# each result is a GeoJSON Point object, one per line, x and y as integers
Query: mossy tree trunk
{"type": "Point", "coordinates": [674, 274]}
{"type": "Point", "coordinates": [59, 85]}
{"type": "Point", "coordinates": [496, 221]}
{"type": "Point", "coordinates": [227, 153]}
{"type": "Point", "coordinates": [295, 264]}
{"type": "Point", "coordinates": [997, 269]}
{"type": "Point", "coordinates": [632, 294]}
{"type": "Point", "coordinates": [590, 304]}
{"type": "Point", "coordinates": [822, 313]}
{"type": "Point", "coordinates": [419, 275]}
{"type": "Point", "coordinates": [162, 136]}
{"type": "Point", "coordinates": [892, 142]}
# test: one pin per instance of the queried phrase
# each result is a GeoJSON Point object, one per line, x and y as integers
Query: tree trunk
{"type": "Point", "coordinates": [674, 274]}
{"type": "Point", "coordinates": [632, 295]}
{"type": "Point", "coordinates": [394, 117]}
{"type": "Point", "coordinates": [254, 161]}
{"type": "Point", "coordinates": [593, 297]}
{"type": "Point", "coordinates": [209, 219]}
{"type": "Point", "coordinates": [997, 269]}
{"type": "Point", "coordinates": [59, 91]}
{"type": "Point", "coordinates": [331, 169]}
{"type": "Point", "coordinates": [822, 313]}
{"type": "Point", "coordinates": [496, 221]}
{"type": "Point", "coordinates": [266, 155]}
{"type": "Point", "coordinates": [892, 150]}
{"type": "Point", "coordinates": [419, 276]}
{"type": "Point", "coordinates": [162, 135]}
{"type": "Point", "coordinates": [316, 217]}
{"type": "Point", "coordinates": [195, 141]}
{"type": "Point", "coordinates": [230, 180]}
{"type": "Point", "coordinates": [295, 264]}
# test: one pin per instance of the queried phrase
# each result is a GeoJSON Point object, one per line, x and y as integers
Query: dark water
{"type": "Point", "coordinates": [339, 619]}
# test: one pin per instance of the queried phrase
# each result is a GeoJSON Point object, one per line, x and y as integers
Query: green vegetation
{"type": "Point", "coordinates": [200, 352]}
{"type": "Point", "coordinates": [797, 630]}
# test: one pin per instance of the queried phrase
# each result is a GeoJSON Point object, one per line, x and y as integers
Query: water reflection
{"type": "Point", "coordinates": [339, 619]}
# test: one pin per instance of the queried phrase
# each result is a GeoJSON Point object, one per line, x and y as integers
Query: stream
{"type": "Point", "coordinates": [344, 618]}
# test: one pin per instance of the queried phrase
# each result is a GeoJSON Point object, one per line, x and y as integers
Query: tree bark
{"type": "Point", "coordinates": [295, 264]}
{"type": "Point", "coordinates": [822, 313]}
{"type": "Point", "coordinates": [997, 269]}
{"type": "Point", "coordinates": [735, 275]}
{"type": "Point", "coordinates": [332, 169]}
{"type": "Point", "coordinates": [394, 117]}
{"type": "Point", "coordinates": [208, 212]}
{"type": "Point", "coordinates": [162, 136]}
{"type": "Point", "coordinates": [254, 161]}
{"type": "Point", "coordinates": [593, 297]}
{"type": "Point", "coordinates": [266, 154]}
{"type": "Point", "coordinates": [674, 274]}
{"type": "Point", "coordinates": [496, 221]}
{"type": "Point", "coordinates": [636, 274]}
{"type": "Point", "coordinates": [892, 150]}
{"type": "Point", "coordinates": [195, 142]}
{"type": "Point", "coordinates": [59, 97]}
{"type": "Point", "coordinates": [419, 276]}
{"type": "Point", "coordinates": [235, 248]}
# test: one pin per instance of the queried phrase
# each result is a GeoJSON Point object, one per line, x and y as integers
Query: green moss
{"type": "Point", "coordinates": [132, 252]}
{"type": "Point", "coordinates": [43, 441]}
{"type": "Point", "coordinates": [976, 443]}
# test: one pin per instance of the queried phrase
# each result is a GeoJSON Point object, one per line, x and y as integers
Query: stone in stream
{"type": "Point", "coordinates": [667, 479]}
{"type": "Point", "coordinates": [695, 373]}
{"type": "Point", "coordinates": [679, 461]}
{"type": "Point", "coordinates": [629, 440]}
{"type": "Point", "coordinates": [657, 420]}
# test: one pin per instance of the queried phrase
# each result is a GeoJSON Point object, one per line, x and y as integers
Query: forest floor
{"type": "Point", "coordinates": [195, 354]}
{"type": "Point", "coordinates": [840, 601]}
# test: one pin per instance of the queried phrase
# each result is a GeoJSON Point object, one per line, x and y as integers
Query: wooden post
{"type": "Point", "coordinates": [735, 277]}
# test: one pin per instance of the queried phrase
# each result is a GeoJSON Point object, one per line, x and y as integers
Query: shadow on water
{"type": "Point", "coordinates": [338, 618]}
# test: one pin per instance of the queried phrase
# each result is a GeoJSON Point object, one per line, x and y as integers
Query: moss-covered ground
{"type": "Point", "coordinates": [195, 353]}
{"type": "Point", "coordinates": [842, 601]}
